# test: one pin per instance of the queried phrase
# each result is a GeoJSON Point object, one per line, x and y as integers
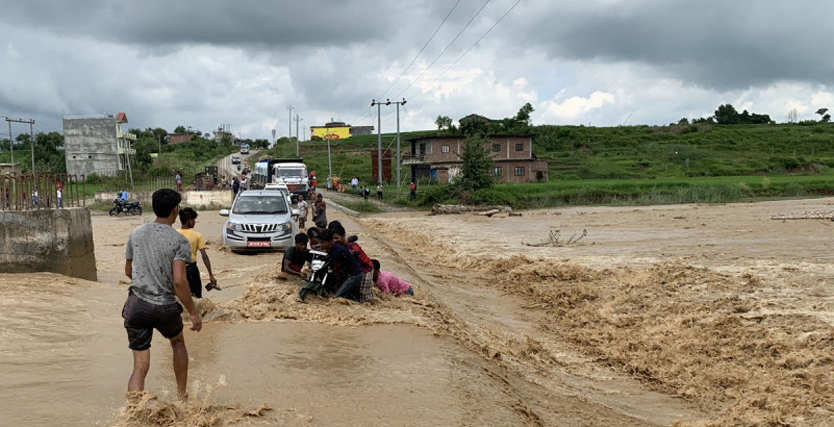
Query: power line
{"type": "Point", "coordinates": [471, 47]}
{"type": "Point", "coordinates": [445, 49]}
{"type": "Point", "coordinates": [421, 50]}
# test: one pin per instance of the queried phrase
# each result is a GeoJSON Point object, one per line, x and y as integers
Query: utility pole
{"type": "Point", "coordinates": [398, 140]}
{"type": "Point", "coordinates": [289, 131]}
{"type": "Point", "coordinates": [379, 133]}
{"type": "Point", "coordinates": [305, 132]}
{"type": "Point", "coordinates": [297, 119]}
{"type": "Point", "coordinates": [273, 137]}
{"type": "Point", "coordinates": [379, 137]}
{"type": "Point", "coordinates": [31, 143]}
{"type": "Point", "coordinates": [329, 163]}
{"type": "Point", "coordinates": [11, 142]}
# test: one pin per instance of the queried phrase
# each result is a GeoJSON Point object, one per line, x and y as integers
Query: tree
{"type": "Point", "coordinates": [793, 115]}
{"type": "Point", "coordinates": [523, 115]}
{"type": "Point", "coordinates": [476, 170]}
{"type": "Point", "coordinates": [443, 122]}
{"type": "Point", "coordinates": [824, 116]}
{"type": "Point", "coordinates": [260, 144]}
{"type": "Point", "coordinates": [726, 114]}
{"type": "Point", "coordinates": [180, 129]}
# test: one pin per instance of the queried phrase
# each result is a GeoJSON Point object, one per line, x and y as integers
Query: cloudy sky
{"type": "Point", "coordinates": [203, 63]}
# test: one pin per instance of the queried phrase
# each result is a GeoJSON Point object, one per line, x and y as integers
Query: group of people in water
{"type": "Point", "coordinates": [354, 273]}
{"type": "Point", "coordinates": [160, 261]}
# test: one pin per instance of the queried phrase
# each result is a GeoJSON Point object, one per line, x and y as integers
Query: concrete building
{"type": "Point", "coordinates": [97, 144]}
{"type": "Point", "coordinates": [178, 138]}
{"type": "Point", "coordinates": [437, 157]}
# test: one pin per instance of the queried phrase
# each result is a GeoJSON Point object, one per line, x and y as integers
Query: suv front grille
{"type": "Point", "coordinates": [260, 228]}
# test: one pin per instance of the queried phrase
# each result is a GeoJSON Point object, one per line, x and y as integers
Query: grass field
{"type": "Point", "coordinates": [627, 165]}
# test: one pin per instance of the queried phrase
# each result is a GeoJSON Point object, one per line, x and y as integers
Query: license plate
{"type": "Point", "coordinates": [257, 244]}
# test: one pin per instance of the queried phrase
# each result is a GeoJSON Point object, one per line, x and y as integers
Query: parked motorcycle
{"type": "Point", "coordinates": [120, 206]}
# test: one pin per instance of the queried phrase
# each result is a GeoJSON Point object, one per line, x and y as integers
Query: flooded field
{"type": "Point", "coordinates": [671, 315]}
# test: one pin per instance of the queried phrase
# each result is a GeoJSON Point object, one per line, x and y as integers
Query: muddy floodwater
{"type": "Point", "coordinates": [691, 315]}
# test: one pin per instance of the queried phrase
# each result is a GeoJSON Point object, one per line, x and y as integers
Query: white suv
{"type": "Point", "coordinates": [259, 220]}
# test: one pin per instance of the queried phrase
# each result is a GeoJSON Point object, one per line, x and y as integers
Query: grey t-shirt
{"type": "Point", "coordinates": [154, 247]}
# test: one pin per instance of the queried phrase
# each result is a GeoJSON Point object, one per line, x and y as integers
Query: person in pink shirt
{"type": "Point", "coordinates": [388, 282]}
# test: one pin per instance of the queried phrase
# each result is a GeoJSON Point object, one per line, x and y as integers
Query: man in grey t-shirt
{"type": "Point", "coordinates": [155, 261]}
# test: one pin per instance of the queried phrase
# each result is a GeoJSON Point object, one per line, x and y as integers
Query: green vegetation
{"type": "Point", "coordinates": [679, 163]}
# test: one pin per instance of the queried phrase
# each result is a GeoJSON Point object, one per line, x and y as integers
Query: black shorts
{"type": "Point", "coordinates": [142, 317]}
{"type": "Point", "coordinates": [192, 273]}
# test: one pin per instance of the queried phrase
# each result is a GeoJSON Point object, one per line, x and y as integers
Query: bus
{"type": "Point", "coordinates": [244, 148]}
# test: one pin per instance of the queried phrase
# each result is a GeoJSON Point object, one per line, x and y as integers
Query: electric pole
{"type": "Point", "coordinates": [297, 119]}
{"type": "Point", "coordinates": [379, 137]}
{"type": "Point", "coordinates": [398, 140]}
{"type": "Point", "coordinates": [273, 137]}
{"type": "Point", "coordinates": [11, 142]}
{"type": "Point", "coordinates": [379, 133]}
{"type": "Point", "coordinates": [289, 131]}
{"type": "Point", "coordinates": [329, 163]}
{"type": "Point", "coordinates": [31, 143]}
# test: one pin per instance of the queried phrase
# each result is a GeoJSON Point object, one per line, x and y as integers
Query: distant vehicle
{"type": "Point", "coordinates": [290, 172]}
{"type": "Point", "coordinates": [244, 148]}
{"type": "Point", "coordinates": [259, 220]}
{"type": "Point", "coordinates": [277, 186]}
{"type": "Point", "coordinates": [235, 160]}
{"type": "Point", "coordinates": [132, 208]}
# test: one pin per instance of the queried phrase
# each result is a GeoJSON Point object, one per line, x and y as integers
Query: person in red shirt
{"type": "Point", "coordinates": [412, 188]}
{"type": "Point", "coordinates": [388, 282]}
{"type": "Point", "coordinates": [366, 288]}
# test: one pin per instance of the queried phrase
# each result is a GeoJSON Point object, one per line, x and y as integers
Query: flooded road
{"type": "Point", "coordinates": [657, 316]}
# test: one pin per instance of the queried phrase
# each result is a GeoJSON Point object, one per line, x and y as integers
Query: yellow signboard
{"type": "Point", "coordinates": [335, 132]}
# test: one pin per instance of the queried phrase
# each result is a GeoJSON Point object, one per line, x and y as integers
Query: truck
{"type": "Point", "coordinates": [244, 148]}
{"type": "Point", "coordinates": [290, 172]}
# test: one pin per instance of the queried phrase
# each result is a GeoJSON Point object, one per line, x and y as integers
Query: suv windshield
{"type": "Point", "coordinates": [260, 205]}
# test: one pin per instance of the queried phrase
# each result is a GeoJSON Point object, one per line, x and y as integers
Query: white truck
{"type": "Point", "coordinates": [290, 172]}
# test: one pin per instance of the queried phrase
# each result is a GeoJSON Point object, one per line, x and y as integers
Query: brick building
{"type": "Point", "coordinates": [437, 158]}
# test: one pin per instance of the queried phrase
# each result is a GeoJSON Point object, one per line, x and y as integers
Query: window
{"type": "Point", "coordinates": [496, 171]}
{"type": "Point", "coordinates": [444, 149]}
{"type": "Point", "coordinates": [496, 147]}
{"type": "Point", "coordinates": [519, 171]}
{"type": "Point", "coordinates": [519, 147]}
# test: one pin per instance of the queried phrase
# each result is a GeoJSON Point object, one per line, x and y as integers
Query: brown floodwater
{"type": "Point", "coordinates": [503, 329]}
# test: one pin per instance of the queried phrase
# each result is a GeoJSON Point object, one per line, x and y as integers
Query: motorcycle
{"type": "Point", "coordinates": [132, 208]}
{"type": "Point", "coordinates": [321, 269]}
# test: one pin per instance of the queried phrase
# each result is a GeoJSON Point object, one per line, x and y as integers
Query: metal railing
{"type": "Point", "coordinates": [40, 191]}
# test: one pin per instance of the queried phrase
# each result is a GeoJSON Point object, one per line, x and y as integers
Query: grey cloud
{"type": "Point", "coordinates": [217, 22]}
{"type": "Point", "coordinates": [714, 44]}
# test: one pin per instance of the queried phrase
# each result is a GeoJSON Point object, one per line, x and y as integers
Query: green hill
{"type": "Point", "coordinates": [634, 164]}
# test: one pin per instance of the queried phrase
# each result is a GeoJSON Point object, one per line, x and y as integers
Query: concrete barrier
{"type": "Point", "coordinates": [53, 240]}
{"type": "Point", "coordinates": [194, 199]}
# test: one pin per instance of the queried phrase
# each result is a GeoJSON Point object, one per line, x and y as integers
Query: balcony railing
{"type": "Point", "coordinates": [410, 159]}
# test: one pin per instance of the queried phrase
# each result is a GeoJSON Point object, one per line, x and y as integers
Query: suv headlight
{"type": "Point", "coordinates": [233, 226]}
{"type": "Point", "coordinates": [286, 226]}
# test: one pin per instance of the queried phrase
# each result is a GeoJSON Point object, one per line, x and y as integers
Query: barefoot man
{"type": "Point", "coordinates": [155, 261]}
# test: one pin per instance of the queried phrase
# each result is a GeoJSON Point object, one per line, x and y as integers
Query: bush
{"type": "Point", "coordinates": [492, 196]}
